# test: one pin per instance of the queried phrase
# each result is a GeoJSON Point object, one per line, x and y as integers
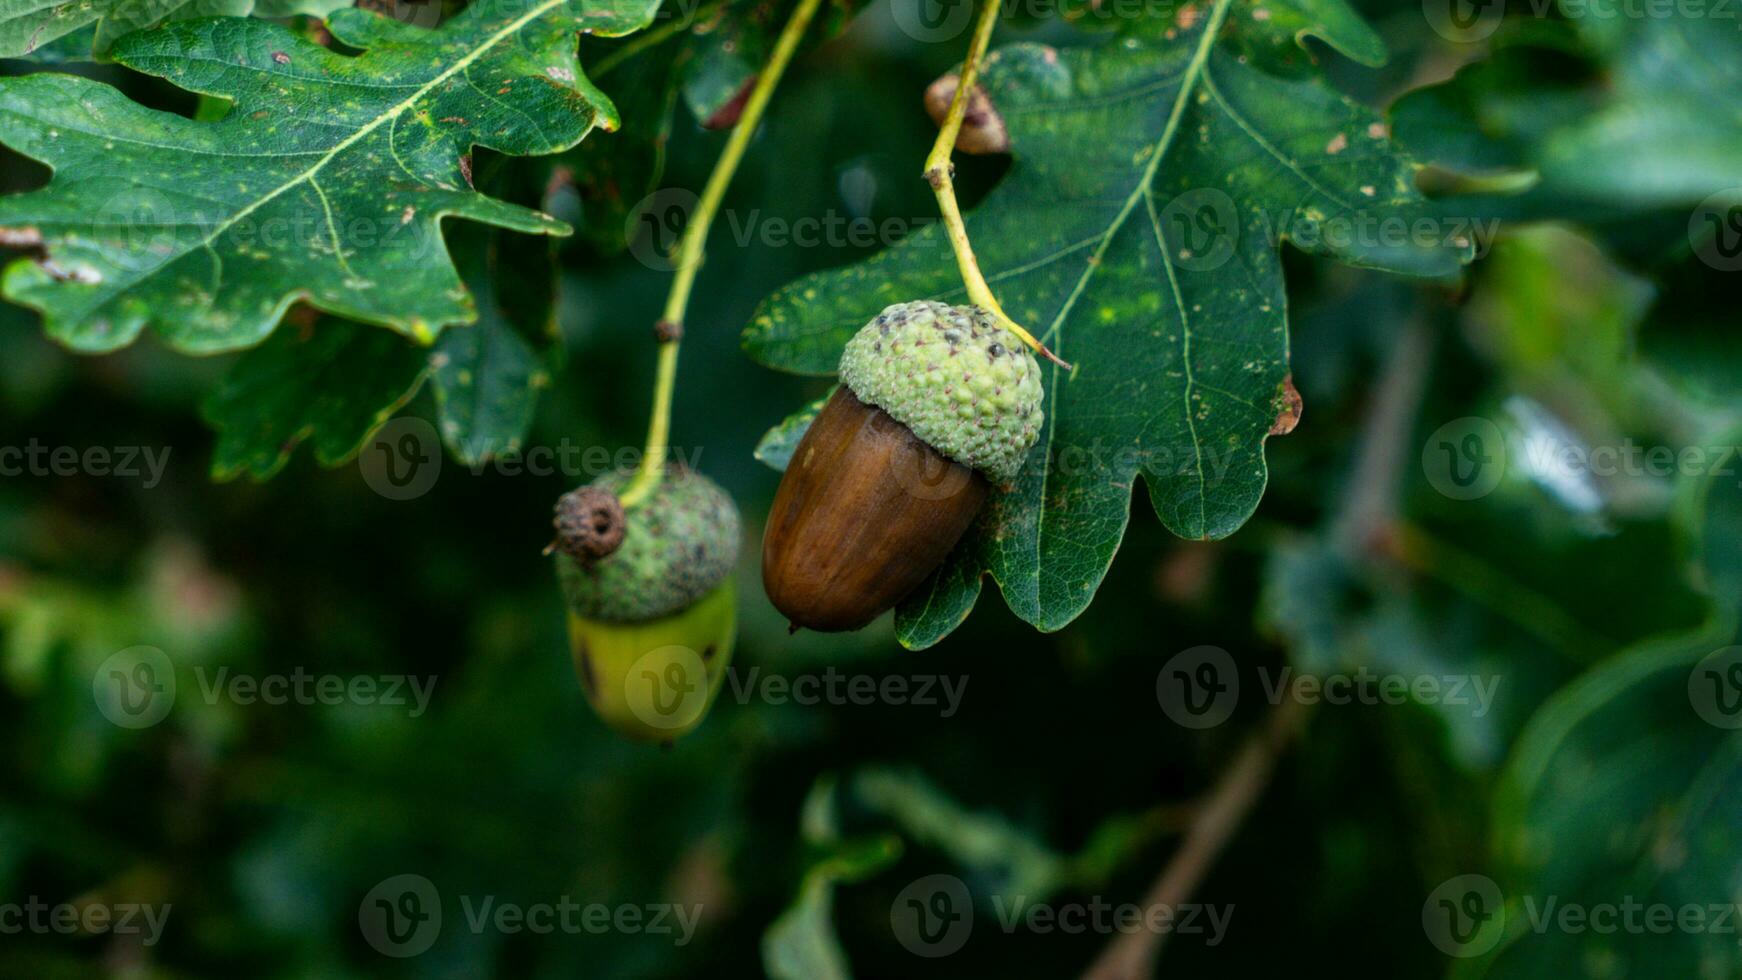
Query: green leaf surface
{"type": "Point", "coordinates": [1137, 233]}
{"type": "Point", "coordinates": [486, 377]}
{"type": "Point", "coordinates": [327, 182]}
{"type": "Point", "coordinates": [778, 444]}
{"type": "Point", "coordinates": [1276, 31]}
{"type": "Point", "coordinates": [61, 31]}
{"type": "Point", "coordinates": [333, 385]}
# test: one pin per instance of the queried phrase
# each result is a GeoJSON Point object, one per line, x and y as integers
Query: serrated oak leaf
{"type": "Point", "coordinates": [327, 181]}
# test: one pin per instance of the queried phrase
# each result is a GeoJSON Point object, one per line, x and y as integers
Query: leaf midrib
{"type": "Point", "coordinates": [1188, 84]}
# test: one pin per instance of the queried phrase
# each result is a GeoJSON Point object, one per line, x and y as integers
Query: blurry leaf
{"type": "Point", "coordinates": [1649, 742]}
{"type": "Point", "coordinates": [1013, 861]}
{"type": "Point", "coordinates": [801, 944]}
{"type": "Point", "coordinates": [487, 376]}
{"type": "Point", "coordinates": [1490, 117]}
{"type": "Point", "coordinates": [983, 842]}
{"type": "Point", "coordinates": [328, 182]}
{"type": "Point", "coordinates": [1670, 131]}
{"type": "Point", "coordinates": [1559, 319]}
{"type": "Point", "coordinates": [1551, 304]}
{"type": "Point", "coordinates": [334, 384]}
{"type": "Point", "coordinates": [28, 31]}
{"type": "Point", "coordinates": [1658, 129]}
{"type": "Point", "coordinates": [1137, 235]}
{"type": "Point", "coordinates": [778, 444]}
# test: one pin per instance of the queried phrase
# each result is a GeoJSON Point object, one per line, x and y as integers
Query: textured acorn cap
{"type": "Point", "coordinates": [678, 544]}
{"type": "Point", "coordinates": [965, 385]}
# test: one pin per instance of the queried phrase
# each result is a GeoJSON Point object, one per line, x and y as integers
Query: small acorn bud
{"type": "Point", "coordinates": [652, 623]}
{"type": "Point", "coordinates": [937, 403]}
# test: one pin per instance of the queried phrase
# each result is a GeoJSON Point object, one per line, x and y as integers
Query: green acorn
{"type": "Point", "coordinates": [651, 603]}
{"type": "Point", "coordinates": [937, 403]}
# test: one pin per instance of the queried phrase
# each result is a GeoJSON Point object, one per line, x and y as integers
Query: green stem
{"type": "Point", "coordinates": [689, 252]}
{"type": "Point", "coordinates": [940, 173]}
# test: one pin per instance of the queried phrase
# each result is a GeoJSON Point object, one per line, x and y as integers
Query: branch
{"type": "Point", "coordinates": [1131, 955]}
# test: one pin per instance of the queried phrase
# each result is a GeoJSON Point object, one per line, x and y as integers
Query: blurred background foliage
{"type": "Point", "coordinates": [1591, 320]}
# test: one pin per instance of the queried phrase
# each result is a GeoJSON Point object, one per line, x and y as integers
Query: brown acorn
{"type": "Point", "coordinates": [937, 404]}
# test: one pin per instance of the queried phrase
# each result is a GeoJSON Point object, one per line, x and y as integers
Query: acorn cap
{"type": "Point", "coordinates": [965, 385]}
{"type": "Point", "coordinates": [678, 544]}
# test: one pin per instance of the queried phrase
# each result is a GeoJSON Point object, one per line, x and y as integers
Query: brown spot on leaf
{"type": "Point", "coordinates": [1288, 407]}
{"type": "Point", "coordinates": [281, 57]}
